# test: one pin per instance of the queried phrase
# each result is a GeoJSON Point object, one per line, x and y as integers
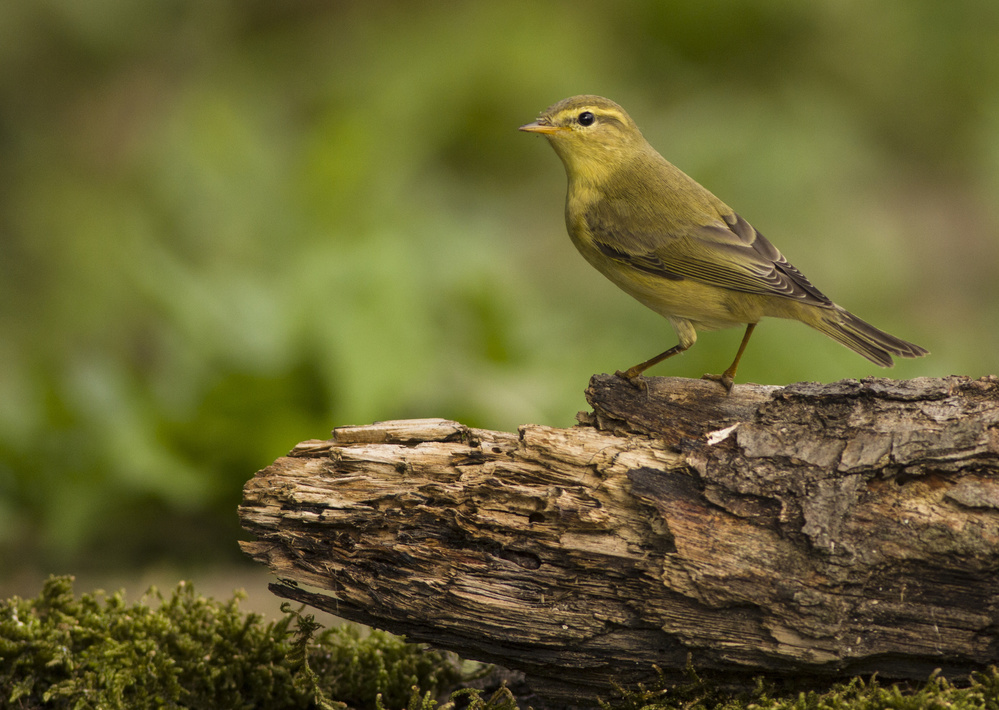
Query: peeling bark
{"type": "Point", "coordinates": [823, 530]}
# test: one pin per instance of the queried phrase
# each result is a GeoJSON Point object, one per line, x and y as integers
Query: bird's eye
{"type": "Point", "coordinates": [586, 118]}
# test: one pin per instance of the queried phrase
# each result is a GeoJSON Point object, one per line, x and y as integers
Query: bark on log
{"type": "Point", "coordinates": [822, 530]}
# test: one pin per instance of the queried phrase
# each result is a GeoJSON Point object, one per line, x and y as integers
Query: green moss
{"type": "Point", "coordinates": [981, 692]}
{"type": "Point", "coordinates": [189, 651]}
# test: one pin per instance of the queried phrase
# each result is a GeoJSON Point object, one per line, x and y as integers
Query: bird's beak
{"type": "Point", "coordinates": [541, 126]}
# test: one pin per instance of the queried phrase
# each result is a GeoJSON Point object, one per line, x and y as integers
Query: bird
{"type": "Point", "coordinates": [671, 244]}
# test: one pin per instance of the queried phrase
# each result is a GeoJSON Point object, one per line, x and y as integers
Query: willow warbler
{"type": "Point", "coordinates": [677, 248]}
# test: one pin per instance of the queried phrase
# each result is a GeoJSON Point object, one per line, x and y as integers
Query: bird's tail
{"type": "Point", "coordinates": [863, 338]}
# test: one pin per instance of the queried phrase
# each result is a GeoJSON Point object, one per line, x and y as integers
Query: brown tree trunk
{"type": "Point", "coordinates": [812, 529]}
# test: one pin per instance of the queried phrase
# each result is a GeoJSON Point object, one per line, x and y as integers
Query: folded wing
{"type": "Point", "coordinates": [727, 252]}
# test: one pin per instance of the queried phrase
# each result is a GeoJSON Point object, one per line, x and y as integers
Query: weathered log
{"type": "Point", "coordinates": [823, 530]}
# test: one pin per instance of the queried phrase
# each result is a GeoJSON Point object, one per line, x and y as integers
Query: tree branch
{"type": "Point", "coordinates": [812, 529]}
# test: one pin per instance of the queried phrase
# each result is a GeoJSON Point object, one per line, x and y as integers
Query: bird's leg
{"type": "Point", "coordinates": [633, 373]}
{"type": "Point", "coordinates": [727, 378]}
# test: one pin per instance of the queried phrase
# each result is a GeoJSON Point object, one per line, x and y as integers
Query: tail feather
{"type": "Point", "coordinates": [864, 339]}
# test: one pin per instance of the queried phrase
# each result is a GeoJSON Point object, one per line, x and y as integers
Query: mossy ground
{"type": "Point", "coordinates": [981, 692]}
{"type": "Point", "coordinates": [185, 650]}
{"type": "Point", "coordinates": [188, 651]}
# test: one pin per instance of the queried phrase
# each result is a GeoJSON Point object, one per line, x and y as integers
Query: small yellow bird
{"type": "Point", "coordinates": [674, 246]}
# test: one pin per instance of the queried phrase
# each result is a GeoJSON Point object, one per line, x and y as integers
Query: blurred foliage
{"type": "Point", "coordinates": [228, 226]}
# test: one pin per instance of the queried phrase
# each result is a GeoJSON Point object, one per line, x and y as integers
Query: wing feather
{"type": "Point", "coordinates": [728, 253]}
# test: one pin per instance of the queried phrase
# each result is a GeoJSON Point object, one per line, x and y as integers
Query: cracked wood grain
{"type": "Point", "coordinates": [823, 530]}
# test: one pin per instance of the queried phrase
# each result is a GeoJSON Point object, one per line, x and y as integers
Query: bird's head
{"type": "Point", "coordinates": [592, 135]}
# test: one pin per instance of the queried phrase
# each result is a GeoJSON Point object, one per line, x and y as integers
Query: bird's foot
{"type": "Point", "coordinates": [725, 380]}
{"type": "Point", "coordinates": [634, 379]}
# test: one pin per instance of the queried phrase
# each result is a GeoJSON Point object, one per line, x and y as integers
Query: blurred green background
{"type": "Point", "coordinates": [228, 226]}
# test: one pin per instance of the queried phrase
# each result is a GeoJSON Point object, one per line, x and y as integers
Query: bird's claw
{"type": "Point", "coordinates": [635, 380]}
{"type": "Point", "coordinates": [725, 380]}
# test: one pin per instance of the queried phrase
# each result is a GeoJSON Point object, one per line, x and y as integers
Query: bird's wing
{"type": "Point", "coordinates": [727, 252]}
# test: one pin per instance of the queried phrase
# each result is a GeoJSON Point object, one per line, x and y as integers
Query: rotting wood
{"type": "Point", "coordinates": [824, 530]}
